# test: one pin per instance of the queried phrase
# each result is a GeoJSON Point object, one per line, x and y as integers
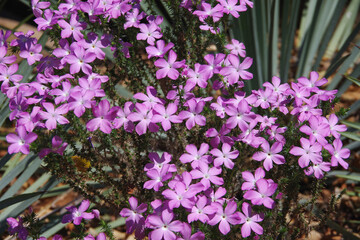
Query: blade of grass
{"type": "Point", "coordinates": [355, 53]}
{"type": "Point", "coordinates": [29, 171]}
{"type": "Point", "coordinates": [346, 44]}
{"type": "Point", "coordinates": [344, 27]}
{"type": "Point", "coordinates": [16, 171]}
{"type": "Point", "coordinates": [290, 15]}
{"type": "Point", "coordinates": [328, 37]}
{"type": "Point", "coordinates": [273, 37]}
{"type": "Point", "coordinates": [353, 136]}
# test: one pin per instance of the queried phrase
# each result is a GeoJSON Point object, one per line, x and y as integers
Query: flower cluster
{"type": "Point", "coordinates": [237, 127]}
{"type": "Point", "coordinates": [17, 227]}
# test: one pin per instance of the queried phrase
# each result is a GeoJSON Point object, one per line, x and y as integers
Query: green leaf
{"type": "Point", "coordinates": [16, 171]}
{"type": "Point", "coordinates": [352, 176]}
{"type": "Point", "coordinates": [351, 135]}
{"type": "Point", "coordinates": [289, 21]}
{"type": "Point", "coordinates": [351, 124]}
{"type": "Point", "coordinates": [29, 171]}
{"type": "Point", "coordinates": [354, 80]}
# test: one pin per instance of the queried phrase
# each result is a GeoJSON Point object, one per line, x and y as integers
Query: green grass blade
{"type": "Point", "coordinates": [323, 12]}
{"type": "Point", "coordinates": [273, 38]}
{"type": "Point", "coordinates": [29, 171]}
{"type": "Point", "coordinates": [328, 36]}
{"type": "Point", "coordinates": [5, 159]}
{"type": "Point", "coordinates": [346, 44]}
{"type": "Point", "coordinates": [354, 80]}
{"type": "Point", "coordinates": [355, 53]}
{"type": "Point", "coordinates": [353, 136]}
{"type": "Point", "coordinates": [290, 15]}
{"type": "Point", "coordinates": [351, 124]}
{"type": "Point", "coordinates": [343, 30]}
{"type": "Point", "coordinates": [16, 171]}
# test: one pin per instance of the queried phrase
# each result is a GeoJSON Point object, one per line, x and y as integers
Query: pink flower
{"type": "Point", "coordinates": [226, 217]}
{"type": "Point", "coordinates": [225, 156]}
{"type": "Point", "coordinates": [237, 69]}
{"type": "Point", "coordinates": [160, 50]}
{"type": "Point", "coordinates": [77, 214]}
{"type": "Point", "coordinates": [149, 32]}
{"type": "Point", "coordinates": [201, 210]}
{"type": "Point", "coordinates": [236, 47]}
{"type": "Point", "coordinates": [250, 221]}
{"type": "Point", "coordinates": [338, 154]}
{"type": "Point", "coordinates": [165, 116]}
{"type": "Point", "coordinates": [143, 115]}
{"type": "Point", "coordinates": [193, 115]}
{"type": "Point", "coordinates": [186, 233]}
{"type": "Point", "coordinates": [157, 177]}
{"type": "Point", "coordinates": [53, 115]}
{"type": "Point", "coordinates": [164, 226]}
{"type": "Point", "coordinates": [269, 155]}
{"type": "Point", "coordinates": [207, 175]}
{"type": "Point", "coordinates": [252, 179]}
{"type": "Point", "coordinates": [265, 189]}
{"type": "Point", "coordinates": [134, 218]}
{"type": "Point", "coordinates": [58, 146]}
{"type": "Point", "coordinates": [72, 28]}
{"type": "Point", "coordinates": [310, 151]}
{"type": "Point", "coordinates": [196, 156]}
{"type": "Point", "coordinates": [80, 59]}
{"type": "Point", "coordinates": [168, 68]}
{"type": "Point", "coordinates": [103, 117]}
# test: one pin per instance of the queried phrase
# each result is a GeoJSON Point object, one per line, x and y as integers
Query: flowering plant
{"type": "Point", "coordinates": [194, 154]}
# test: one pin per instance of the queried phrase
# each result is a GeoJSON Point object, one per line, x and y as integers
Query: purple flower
{"type": "Point", "coordinates": [338, 154]}
{"type": "Point", "coordinates": [77, 214]}
{"type": "Point", "coordinates": [164, 226]}
{"type": "Point", "coordinates": [195, 78]}
{"type": "Point", "coordinates": [160, 50]}
{"type": "Point", "coordinates": [103, 117]}
{"type": "Point", "coordinates": [240, 115]}
{"type": "Point", "coordinates": [80, 59]}
{"type": "Point", "coordinates": [310, 151]}
{"type": "Point", "coordinates": [207, 175]}
{"type": "Point", "coordinates": [53, 115]}
{"type": "Point", "coordinates": [122, 115]}
{"type": "Point", "coordinates": [143, 115]}
{"type": "Point", "coordinates": [225, 156]}
{"type": "Point", "coordinates": [133, 18]}
{"type": "Point", "coordinates": [226, 217]}
{"type": "Point", "coordinates": [16, 227]}
{"type": "Point", "coordinates": [149, 32]}
{"type": "Point", "coordinates": [186, 233]}
{"type": "Point", "coordinates": [157, 177]}
{"type": "Point", "coordinates": [236, 47]}
{"type": "Point", "coordinates": [165, 116]}
{"type": "Point", "coordinates": [250, 221]}
{"type": "Point", "coordinates": [201, 210]}
{"type": "Point", "coordinates": [21, 141]}
{"type": "Point", "coordinates": [134, 218]}
{"type": "Point", "coordinates": [269, 155]}
{"type": "Point", "coordinates": [180, 195]}
{"type": "Point", "coordinates": [79, 101]}
{"type": "Point", "coordinates": [72, 28]}
{"type": "Point", "coordinates": [8, 59]}
{"type": "Point", "coordinates": [58, 146]}
{"type": "Point", "coordinates": [251, 179]}
{"type": "Point", "coordinates": [317, 130]}
{"type": "Point", "coordinates": [193, 115]}
{"type": "Point", "coordinates": [196, 156]}
{"type": "Point", "coordinates": [334, 128]}
{"type": "Point", "coordinates": [150, 100]}
{"type": "Point", "coordinates": [168, 67]}
{"type": "Point", "coordinates": [237, 69]}
{"type": "Point", "coordinates": [158, 163]}
{"type": "Point", "coordinates": [265, 189]}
